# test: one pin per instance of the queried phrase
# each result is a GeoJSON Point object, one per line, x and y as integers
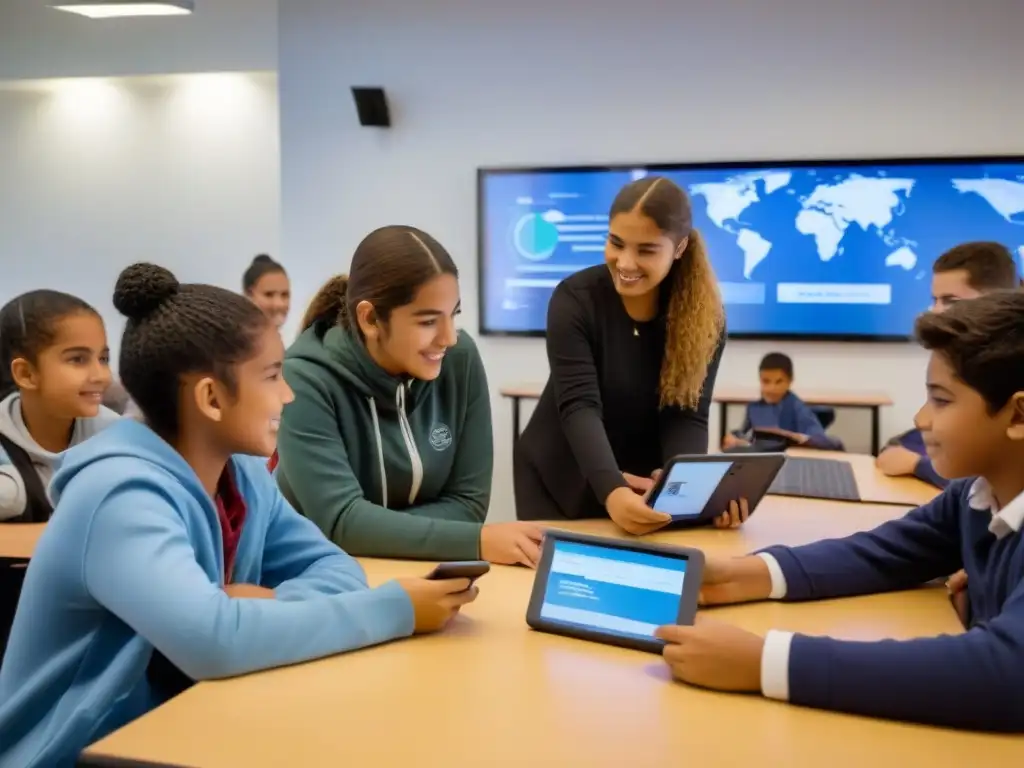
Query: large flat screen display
{"type": "Point", "coordinates": [813, 250]}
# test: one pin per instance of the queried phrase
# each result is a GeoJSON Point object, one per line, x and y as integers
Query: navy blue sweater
{"type": "Point", "coordinates": [791, 414]}
{"type": "Point", "coordinates": [973, 680]}
{"type": "Point", "coordinates": [912, 440]}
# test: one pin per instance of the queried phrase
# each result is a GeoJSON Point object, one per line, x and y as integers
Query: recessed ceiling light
{"type": "Point", "coordinates": [109, 9]}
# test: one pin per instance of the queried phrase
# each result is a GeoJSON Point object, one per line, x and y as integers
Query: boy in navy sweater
{"type": "Point", "coordinates": [965, 272]}
{"type": "Point", "coordinates": [780, 412]}
{"type": "Point", "coordinates": [973, 427]}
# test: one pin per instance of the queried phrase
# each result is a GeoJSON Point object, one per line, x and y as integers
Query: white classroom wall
{"type": "Point", "coordinates": [132, 139]}
{"type": "Point", "coordinates": [180, 170]}
{"type": "Point", "coordinates": [488, 82]}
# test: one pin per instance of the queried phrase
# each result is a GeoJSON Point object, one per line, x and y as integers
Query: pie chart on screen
{"type": "Point", "coordinates": [534, 237]}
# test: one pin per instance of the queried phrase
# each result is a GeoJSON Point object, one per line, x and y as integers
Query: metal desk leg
{"type": "Point", "coordinates": [876, 430]}
{"type": "Point", "coordinates": [515, 420]}
{"type": "Point", "coordinates": [723, 412]}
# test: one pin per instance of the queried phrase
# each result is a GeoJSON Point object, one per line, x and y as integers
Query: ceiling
{"type": "Point", "coordinates": [222, 35]}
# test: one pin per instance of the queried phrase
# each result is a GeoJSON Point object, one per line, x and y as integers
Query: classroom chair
{"type": "Point", "coordinates": [826, 415]}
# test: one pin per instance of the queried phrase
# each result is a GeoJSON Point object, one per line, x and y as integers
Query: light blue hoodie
{"type": "Point", "coordinates": [133, 560]}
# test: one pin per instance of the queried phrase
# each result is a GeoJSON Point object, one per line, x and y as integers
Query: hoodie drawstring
{"type": "Point", "coordinates": [410, 444]}
{"type": "Point", "coordinates": [380, 454]}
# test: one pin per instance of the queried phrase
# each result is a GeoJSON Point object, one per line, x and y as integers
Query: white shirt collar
{"type": "Point", "coordinates": [1009, 519]}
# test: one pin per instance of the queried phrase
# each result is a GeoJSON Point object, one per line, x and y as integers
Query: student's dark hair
{"type": "Point", "coordinates": [174, 330]}
{"type": "Point", "coordinates": [777, 361]}
{"type": "Point", "coordinates": [28, 325]}
{"type": "Point", "coordinates": [261, 265]}
{"type": "Point", "coordinates": [989, 265]}
{"type": "Point", "coordinates": [388, 267]}
{"type": "Point", "coordinates": [983, 342]}
{"type": "Point", "coordinates": [696, 317]}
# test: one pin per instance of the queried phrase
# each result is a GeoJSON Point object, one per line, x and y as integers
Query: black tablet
{"type": "Point", "coordinates": [613, 591]}
{"type": "Point", "coordinates": [695, 489]}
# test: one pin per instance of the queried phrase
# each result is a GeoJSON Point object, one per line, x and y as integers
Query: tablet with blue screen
{"type": "Point", "coordinates": [613, 591]}
{"type": "Point", "coordinates": [694, 489]}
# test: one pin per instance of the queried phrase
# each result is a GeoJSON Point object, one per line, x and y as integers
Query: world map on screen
{"type": "Point", "coordinates": [828, 211]}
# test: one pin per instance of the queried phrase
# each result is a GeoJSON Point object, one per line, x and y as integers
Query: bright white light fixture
{"type": "Point", "coordinates": [110, 9]}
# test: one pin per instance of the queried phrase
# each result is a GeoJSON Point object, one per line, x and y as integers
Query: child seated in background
{"type": "Point", "coordinates": [780, 413]}
{"type": "Point", "coordinates": [965, 272]}
{"type": "Point", "coordinates": [167, 532]}
{"type": "Point", "coordinates": [54, 369]}
{"type": "Point", "coordinates": [973, 426]}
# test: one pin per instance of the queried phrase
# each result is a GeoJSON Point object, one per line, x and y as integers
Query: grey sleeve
{"type": "Point", "coordinates": [12, 493]}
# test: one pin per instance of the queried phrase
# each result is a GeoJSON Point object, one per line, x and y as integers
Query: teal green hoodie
{"type": "Point", "coordinates": [387, 466]}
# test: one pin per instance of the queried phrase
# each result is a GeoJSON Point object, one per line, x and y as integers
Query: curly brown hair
{"type": "Point", "coordinates": [696, 317]}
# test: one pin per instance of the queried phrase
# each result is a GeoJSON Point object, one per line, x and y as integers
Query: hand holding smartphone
{"type": "Point", "coordinates": [462, 569]}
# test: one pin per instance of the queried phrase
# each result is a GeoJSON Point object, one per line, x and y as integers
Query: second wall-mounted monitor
{"type": "Point", "coordinates": [837, 250]}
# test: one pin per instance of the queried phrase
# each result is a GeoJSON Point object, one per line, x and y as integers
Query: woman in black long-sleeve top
{"type": "Point", "coordinates": [634, 346]}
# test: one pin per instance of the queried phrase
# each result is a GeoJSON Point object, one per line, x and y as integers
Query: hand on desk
{"type": "Point", "coordinates": [735, 580]}
{"type": "Point", "coordinates": [896, 461]}
{"type": "Point", "coordinates": [957, 586]}
{"type": "Point", "coordinates": [713, 654]}
{"type": "Point", "coordinates": [436, 602]}
{"type": "Point", "coordinates": [796, 437]}
{"type": "Point", "coordinates": [511, 543]}
{"type": "Point", "coordinates": [731, 441]}
{"type": "Point", "coordinates": [249, 590]}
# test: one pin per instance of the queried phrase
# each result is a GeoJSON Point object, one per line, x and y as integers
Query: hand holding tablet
{"type": "Point", "coordinates": [714, 654]}
{"type": "Point", "coordinates": [632, 513]}
{"type": "Point", "coordinates": [694, 490]}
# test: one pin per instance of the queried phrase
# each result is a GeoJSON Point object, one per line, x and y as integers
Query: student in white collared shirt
{"type": "Point", "coordinates": [973, 426]}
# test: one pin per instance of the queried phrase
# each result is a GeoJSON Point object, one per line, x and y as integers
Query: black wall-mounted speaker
{"type": "Point", "coordinates": [372, 106]}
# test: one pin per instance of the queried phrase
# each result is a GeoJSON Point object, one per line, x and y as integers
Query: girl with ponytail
{"type": "Point", "coordinates": [388, 445]}
{"type": "Point", "coordinates": [634, 346]}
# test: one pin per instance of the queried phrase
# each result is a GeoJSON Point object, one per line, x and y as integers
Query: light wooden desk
{"type": "Point", "coordinates": [18, 540]}
{"type": "Point", "coordinates": [873, 401]}
{"type": "Point", "coordinates": [874, 486]}
{"type": "Point", "coordinates": [491, 692]}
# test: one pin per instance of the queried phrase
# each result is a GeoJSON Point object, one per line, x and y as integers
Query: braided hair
{"type": "Point", "coordinates": [174, 330]}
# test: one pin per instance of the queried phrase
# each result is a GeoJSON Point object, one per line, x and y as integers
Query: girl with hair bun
{"type": "Point", "coordinates": [171, 555]}
{"type": "Point", "coordinates": [267, 284]}
{"type": "Point", "coordinates": [634, 346]}
{"type": "Point", "coordinates": [388, 445]}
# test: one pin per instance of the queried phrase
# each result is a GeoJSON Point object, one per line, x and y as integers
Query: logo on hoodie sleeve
{"type": "Point", "coordinates": [440, 437]}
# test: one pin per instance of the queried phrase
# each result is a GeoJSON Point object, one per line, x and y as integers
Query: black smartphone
{"type": "Point", "coordinates": [462, 569]}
